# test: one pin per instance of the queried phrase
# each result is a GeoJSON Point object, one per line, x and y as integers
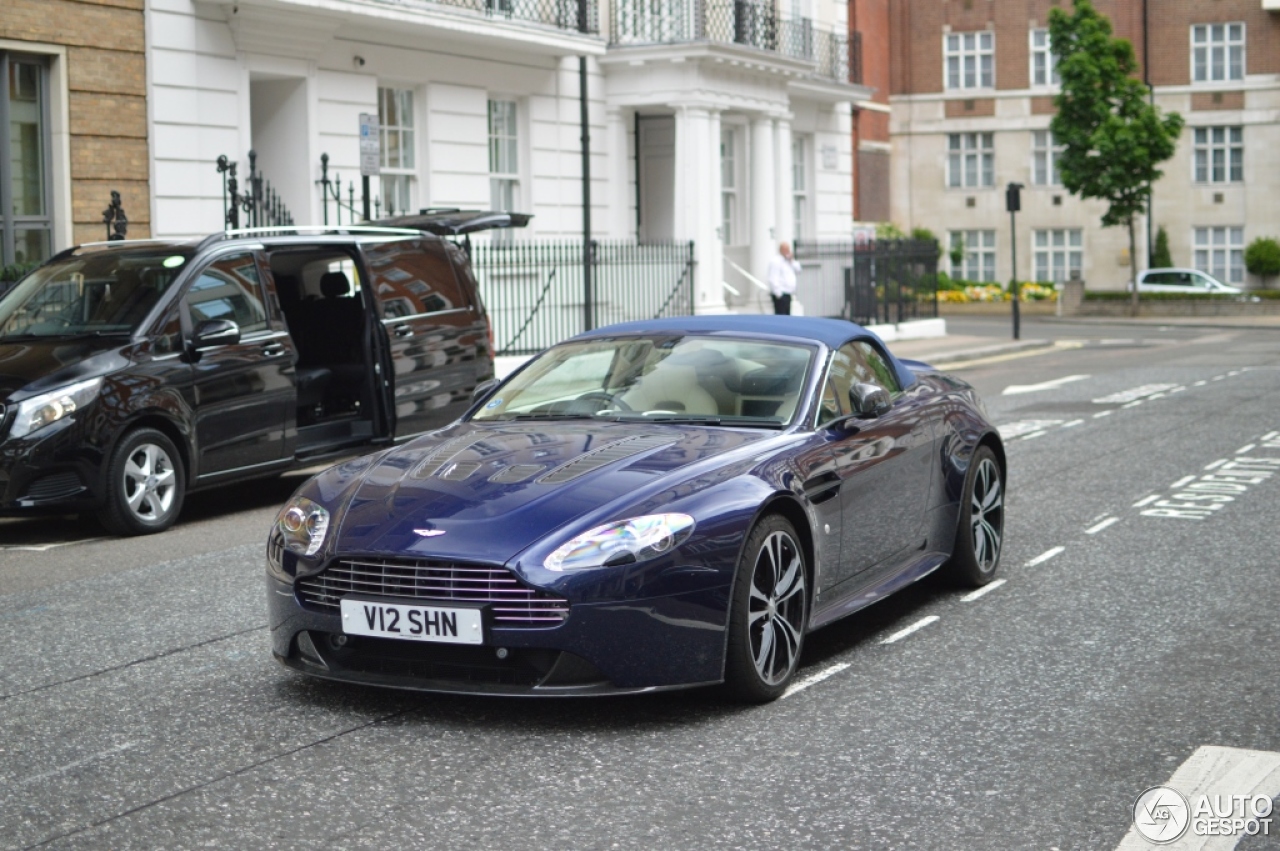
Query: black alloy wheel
{"type": "Point", "coordinates": [770, 613]}
{"type": "Point", "coordinates": [980, 533]}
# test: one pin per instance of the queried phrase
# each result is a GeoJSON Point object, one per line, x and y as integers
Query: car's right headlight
{"type": "Point", "coordinates": [39, 411]}
{"type": "Point", "coordinates": [303, 524]}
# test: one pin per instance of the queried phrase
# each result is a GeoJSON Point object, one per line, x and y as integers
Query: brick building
{"type": "Point", "coordinates": [75, 109]}
{"type": "Point", "coordinates": [972, 85]}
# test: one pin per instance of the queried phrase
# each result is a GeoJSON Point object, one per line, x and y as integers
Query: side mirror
{"type": "Point", "coordinates": [215, 332]}
{"type": "Point", "coordinates": [483, 389]}
{"type": "Point", "coordinates": [869, 401]}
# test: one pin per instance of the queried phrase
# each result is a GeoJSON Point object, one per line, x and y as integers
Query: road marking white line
{"type": "Point", "coordinates": [1217, 378]}
{"type": "Point", "coordinates": [985, 589]}
{"type": "Point", "coordinates": [1216, 464]}
{"type": "Point", "coordinates": [44, 775]}
{"type": "Point", "coordinates": [1045, 556]}
{"type": "Point", "coordinates": [1073, 424]}
{"type": "Point", "coordinates": [814, 679]}
{"type": "Point", "coordinates": [1133, 393]}
{"type": "Point", "coordinates": [44, 548]}
{"type": "Point", "coordinates": [1016, 429]}
{"type": "Point", "coordinates": [1235, 372]}
{"type": "Point", "coordinates": [1034, 434]}
{"type": "Point", "coordinates": [1093, 530]}
{"type": "Point", "coordinates": [1135, 403]}
{"type": "Point", "coordinates": [1200, 383]}
{"type": "Point", "coordinates": [1271, 435]}
{"type": "Point", "coordinates": [1185, 480]}
{"type": "Point", "coordinates": [1146, 501]}
{"type": "Point", "coordinates": [1157, 395]}
{"type": "Point", "coordinates": [903, 633]}
{"type": "Point", "coordinates": [1246, 448]}
{"type": "Point", "coordinates": [1102, 414]}
{"type": "Point", "coordinates": [1054, 384]}
{"type": "Point", "coordinates": [1216, 776]}
{"type": "Point", "coordinates": [1178, 389]}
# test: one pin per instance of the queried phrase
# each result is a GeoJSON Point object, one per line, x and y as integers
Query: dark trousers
{"type": "Point", "coordinates": [781, 304]}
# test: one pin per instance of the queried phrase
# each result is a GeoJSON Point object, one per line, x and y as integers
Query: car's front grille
{"type": "Point", "coordinates": [421, 580]}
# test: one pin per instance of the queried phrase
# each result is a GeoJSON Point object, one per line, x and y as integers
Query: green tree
{"type": "Point", "coordinates": [1161, 258]}
{"type": "Point", "coordinates": [1262, 258]}
{"type": "Point", "coordinates": [1112, 138]}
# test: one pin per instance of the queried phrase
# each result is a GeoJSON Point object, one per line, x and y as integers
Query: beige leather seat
{"type": "Point", "coordinates": [672, 388]}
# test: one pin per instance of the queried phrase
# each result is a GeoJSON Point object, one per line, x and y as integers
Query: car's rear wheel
{"type": "Point", "coordinates": [145, 484]}
{"type": "Point", "coordinates": [769, 615]}
{"type": "Point", "coordinates": [980, 534]}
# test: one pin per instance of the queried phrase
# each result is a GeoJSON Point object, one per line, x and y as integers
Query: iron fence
{"type": "Point", "coordinates": [261, 205]}
{"type": "Point", "coordinates": [880, 281]}
{"type": "Point", "coordinates": [534, 292]}
{"type": "Point", "coordinates": [562, 14]}
{"type": "Point", "coordinates": [746, 22]}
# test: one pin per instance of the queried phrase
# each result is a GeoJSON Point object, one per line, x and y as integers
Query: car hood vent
{"type": "Point", "coordinates": [437, 458]}
{"type": "Point", "coordinates": [603, 457]}
{"type": "Point", "coordinates": [517, 473]}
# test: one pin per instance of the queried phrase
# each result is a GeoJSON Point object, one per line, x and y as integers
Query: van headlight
{"type": "Point", "coordinates": [622, 542]}
{"type": "Point", "coordinates": [39, 411]}
{"type": "Point", "coordinates": [303, 525]}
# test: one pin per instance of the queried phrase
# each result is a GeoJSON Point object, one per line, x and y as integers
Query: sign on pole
{"type": "Point", "coordinates": [370, 149]}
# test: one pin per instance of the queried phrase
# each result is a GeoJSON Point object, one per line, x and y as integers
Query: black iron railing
{"type": "Point", "coordinates": [562, 14]}
{"type": "Point", "coordinates": [534, 293]}
{"type": "Point", "coordinates": [746, 22]}
{"type": "Point", "coordinates": [880, 281]}
{"type": "Point", "coordinates": [260, 204]}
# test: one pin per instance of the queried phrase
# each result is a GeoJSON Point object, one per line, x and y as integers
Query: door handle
{"type": "Point", "coordinates": [272, 350]}
{"type": "Point", "coordinates": [403, 330]}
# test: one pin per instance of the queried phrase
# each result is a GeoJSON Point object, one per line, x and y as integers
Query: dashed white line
{"type": "Point", "coordinates": [1102, 414]}
{"type": "Point", "coordinates": [1093, 530]}
{"type": "Point", "coordinates": [1178, 389]}
{"type": "Point", "coordinates": [1073, 424]}
{"type": "Point", "coordinates": [1135, 403]}
{"type": "Point", "coordinates": [1200, 383]}
{"type": "Point", "coordinates": [1147, 501]}
{"type": "Point", "coordinates": [1185, 480]}
{"type": "Point", "coordinates": [903, 633]}
{"type": "Point", "coordinates": [1246, 448]}
{"type": "Point", "coordinates": [985, 589]}
{"type": "Point", "coordinates": [1045, 556]}
{"type": "Point", "coordinates": [1217, 378]}
{"type": "Point", "coordinates": [1271, 435]}
{"type": "Point", "coordinates": [1034, 434]}
{"type": "Point", "coordinates": [814, 679]}
{"type": "Point", "coordinates": [1216, 464]}
{"type": "Point", "coordinates": [69, 766]}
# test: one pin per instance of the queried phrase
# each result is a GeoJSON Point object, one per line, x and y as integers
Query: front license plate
{"type": "Point", "coordinates": [414, 623]}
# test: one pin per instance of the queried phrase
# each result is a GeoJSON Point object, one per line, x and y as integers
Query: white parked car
{"type": "Point", "coordinates": [1182, 281]}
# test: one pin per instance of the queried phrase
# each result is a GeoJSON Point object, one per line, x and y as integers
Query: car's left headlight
{"type": "Point", "coordinates": [39, 411]}
{"type": "Point", "coordinates": [303, 524]}
{"type": "Point", "coordinates": [622, 542]}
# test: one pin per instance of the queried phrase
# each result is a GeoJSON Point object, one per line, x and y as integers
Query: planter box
{"type": "Point", "coordinates": [996, 308]}
{"type": "Point", "coordinates": [1179, 307]}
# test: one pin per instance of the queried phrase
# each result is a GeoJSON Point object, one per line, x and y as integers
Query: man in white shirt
{"type": "Point", "coordinates": [782, 279]}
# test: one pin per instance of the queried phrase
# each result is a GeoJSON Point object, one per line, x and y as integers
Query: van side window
{"type": "Point", "coordinates": [411, 278]}
{"type": "Point", "coordinates": [230, 288]}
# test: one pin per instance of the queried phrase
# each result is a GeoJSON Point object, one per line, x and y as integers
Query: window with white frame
{"type": "Point", "coordinates": [1220, 252]}
{"type": "Point", "coordinates": [970, 59]}
{"type": "Point", "coordinates": [504, 155]}
{"type": "Point", "coordinates": [800, 186]}
{"type": "Point", "coordinates": [1217, 52]}
{"type": "Point", "coordinates": [1044, 159]}
{"type": "Point", "coordinates": [971, 159]}
{"type": "Point", "coordinates": [979, 260]}
{"type": "Point", "coordinates": [397, 163]}
{"type": "Point", "coordinates": [1044, 65]}
{"type": "Point", "coordinates": [1058, 254]}
{"type": "Point", "coordinates": [1219, 154]}
{"type": "Point", "coordinates": [26, 228]}
{"type": "Point", "coordinates": [728, 184]}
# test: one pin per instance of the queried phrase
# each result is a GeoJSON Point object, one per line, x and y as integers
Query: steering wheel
{"type": "Point", "coordinates": [611, 402]}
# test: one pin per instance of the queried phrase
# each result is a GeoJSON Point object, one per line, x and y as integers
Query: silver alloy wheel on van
{"type": "Point", "coordinates": [146, 482]}
{"type": "Point", "coordinates": [149, 482]}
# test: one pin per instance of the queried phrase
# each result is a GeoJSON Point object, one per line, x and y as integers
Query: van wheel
{"type": "Point", "coordinates": [145, 484]}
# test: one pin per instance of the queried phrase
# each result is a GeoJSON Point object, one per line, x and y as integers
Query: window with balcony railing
{"type": "Point", "coordinates": [561, 14]}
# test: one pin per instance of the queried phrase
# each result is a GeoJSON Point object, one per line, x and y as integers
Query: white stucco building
{"type": "Point", "coordinates": [724, 123]}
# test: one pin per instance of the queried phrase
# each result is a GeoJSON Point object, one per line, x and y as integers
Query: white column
{"type": "Point", "coordinates": [785, 230]}
{"type": "Point", "coordinates": [760, 197]}
{"type": "Point", "coordinates": [621, 202]}
{"type": "Point", "coordinates": [697, 208]}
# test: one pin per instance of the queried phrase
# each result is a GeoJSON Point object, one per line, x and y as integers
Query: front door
{"type": "Point", "coordinates": [243, 394]}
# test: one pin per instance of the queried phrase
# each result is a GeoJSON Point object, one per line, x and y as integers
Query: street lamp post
{"type": "Point", "coordinates": [1013, 203]}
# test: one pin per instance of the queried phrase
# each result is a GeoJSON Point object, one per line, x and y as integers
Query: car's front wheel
{"type": "Point", "coordinates": [145, 484]}
{"type": "Point", "coordinates": [769, 615]}
{"type": "Point", "coordinates": [980, 534]}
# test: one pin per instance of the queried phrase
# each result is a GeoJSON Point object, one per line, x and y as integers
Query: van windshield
{"type": "Point", "coordinates": [101, 292]}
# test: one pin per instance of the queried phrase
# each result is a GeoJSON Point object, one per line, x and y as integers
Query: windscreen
{"type": "Point", "coordinates": [703, 379]}
{"type": "Point", "coordinates": [98, 292]}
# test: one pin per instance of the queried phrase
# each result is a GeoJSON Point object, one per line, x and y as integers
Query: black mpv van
{"type": "Point", "coordinates": [134, 372]}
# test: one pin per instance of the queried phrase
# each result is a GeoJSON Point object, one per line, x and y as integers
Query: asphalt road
{"type": "Point", "coordinates": [140, 707]}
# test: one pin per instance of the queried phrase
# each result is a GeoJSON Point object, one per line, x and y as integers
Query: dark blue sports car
{"type": "Point", "coordinates": [647, 506]}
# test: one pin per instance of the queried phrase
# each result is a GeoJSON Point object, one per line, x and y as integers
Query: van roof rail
{"type": "Point", "coordinates": [291, 230]}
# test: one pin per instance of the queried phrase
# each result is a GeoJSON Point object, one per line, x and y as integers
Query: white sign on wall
{"type": "Point", "coordinates": [370, 149]}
